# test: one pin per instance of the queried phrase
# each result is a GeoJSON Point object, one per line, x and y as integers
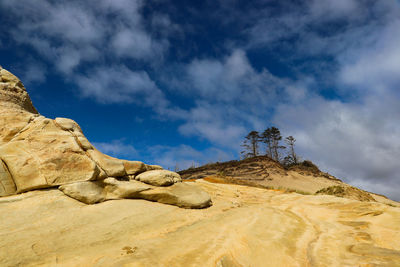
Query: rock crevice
{"type": "Point", "coordinates": [6, 180]}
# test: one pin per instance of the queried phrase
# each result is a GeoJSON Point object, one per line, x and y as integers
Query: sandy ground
{"type": "Point", "coordinates": [246, 226]}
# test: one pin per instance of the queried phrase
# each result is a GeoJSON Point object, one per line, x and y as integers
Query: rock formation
{"type": "Point", "coordinates": [37, 152]}
{"type": "Point", "coordinates": [246, 226]}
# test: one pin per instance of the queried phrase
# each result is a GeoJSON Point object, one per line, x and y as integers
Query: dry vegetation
{"type": "Point", "coordinates": [263, 172]}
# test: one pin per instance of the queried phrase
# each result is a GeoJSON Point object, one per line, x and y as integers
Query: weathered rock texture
{"type": "Point", "coordinates": [159, 177]}
{"type": "Point", "coordinates": [246, 226]}
{"type": "Point", "coordinates": [37, 152]}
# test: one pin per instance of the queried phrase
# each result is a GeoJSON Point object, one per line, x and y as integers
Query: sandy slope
{"type": "Point", "coordinates": [263, 172]}
{"type": "Point", "coordinates": [246, 226]}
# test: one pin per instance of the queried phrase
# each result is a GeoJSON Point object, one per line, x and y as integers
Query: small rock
{"type": "Point", "coordinates": [159, 177]}
{"type": "Point", "coordinates": [134, 167]}
{"type": "Point", "coordinates": [153, 167]}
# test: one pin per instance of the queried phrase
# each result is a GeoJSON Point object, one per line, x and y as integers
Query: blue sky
{"type": "Point", "coordinates": [177, 82]}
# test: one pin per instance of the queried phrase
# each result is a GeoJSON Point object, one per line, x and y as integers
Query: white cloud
{"type": "Point", "coordinates": [227, 79]}
{"type": "Point", "coordinates": [71, 33]}
{"type": "Point", "coordinates": [355, 141]}
{"type": "Point", "coordinates": [232, 96]}
{"type": "Point", "coordinates": [118, 84]}
{"type": "Point", "coordinates": [374, 65]}
{"type": "Point", "coordinates": [216, 131]}
{"type": "Point", "coordinates": [33, 72]}
{"type": "Point", "coordinates": [135, 44]}
{"type": "Point", "coordinates": [117, 148]}
{"type": "Point", "coordinates": [326, 9]}
{"type": "Point", "coordinates": [62, 33]}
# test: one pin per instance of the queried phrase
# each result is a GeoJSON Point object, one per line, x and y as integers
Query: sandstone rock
{"type": "Point", "coordinates": [84, 143]}
{"type": "Point", "coordinates": [159, 177]}
{"type": "Point", "coordinates": [134, 167]}
{"type": "Point", "coordinates": [73, 127]}
{"type": "Point", "coordinates": [59, 158]}
{"type": "Point", "coordinates": [13, 94]}
{"type": "Point", "coordinates": [37, 152]}
{"type": "Point", "coordinates": [67, 124]}
{"type": "Point", "coordinates": [124, 189]}
{"type": "Point", "coordinates": [153, 167]}
{"type": "Point", "coordinates": [86, 192]}
{"type": "Point", "coordinates": [12, 123]}
{"type": "Point", "coordinates": [23, 166]}
{"type": "Point", "coordinates": [180, 194]}
{"type": "Point", "coordinates": [113, 167]}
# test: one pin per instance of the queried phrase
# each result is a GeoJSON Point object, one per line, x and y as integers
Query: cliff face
{"type": "Point", "coordinates": [246, 226]}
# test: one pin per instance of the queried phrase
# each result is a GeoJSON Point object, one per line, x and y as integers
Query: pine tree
{"type": "Point", "coordinates": [267, 139]}
{"type": "Point", "coordinates": [291, 157]}
{"type": "Point", "coordinates": [271, 137]}
{"type": "Point", "coordinates": [251, 144]}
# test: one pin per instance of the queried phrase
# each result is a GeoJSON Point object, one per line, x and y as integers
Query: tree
{"type": "Point", "coordinates": [271, 137]}
{"type": "Point", "coordinates": [250, 145]}
{"type": "Point", "coordinates": [267, 139]}
{"type": "Point", "coordinates": [291, 158]}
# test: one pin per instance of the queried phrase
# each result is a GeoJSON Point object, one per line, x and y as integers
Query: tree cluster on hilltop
{"type": "Point", "coordinates": [271, 139]}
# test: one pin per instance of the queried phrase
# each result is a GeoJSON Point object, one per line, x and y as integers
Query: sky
{"type": "Point", "coordinates": [181, 83]}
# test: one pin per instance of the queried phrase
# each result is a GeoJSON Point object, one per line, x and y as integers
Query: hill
{"type": "Point", "coordinates": [263, 172]}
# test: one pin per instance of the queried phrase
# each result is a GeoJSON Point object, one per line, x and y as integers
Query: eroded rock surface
{"type": "Point", "coordinates": [179, 194]}
{"type": "Point", "coordinates": [246, 226]}
{"type": "Point", "coordinates": [38, 152]}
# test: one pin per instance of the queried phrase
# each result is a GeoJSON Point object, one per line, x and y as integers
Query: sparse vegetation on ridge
{"type": "Point", "coordinates": [271, 138]}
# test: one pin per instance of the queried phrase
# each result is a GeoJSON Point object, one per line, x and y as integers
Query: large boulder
{"type": "Point", "coordinates": [180, 194]}
{"type": "Point", "coordinates": [183, 195]}
{"type": "Point", "coordinates": [37, 152]}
